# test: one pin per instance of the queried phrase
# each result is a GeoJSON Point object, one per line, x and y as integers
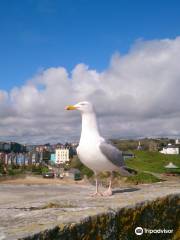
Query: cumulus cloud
{"type": "Point", "coordinates": [137, 95]}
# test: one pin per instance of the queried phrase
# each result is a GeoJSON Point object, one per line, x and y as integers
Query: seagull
{"type": "Point", "coordinates": [94, 151]}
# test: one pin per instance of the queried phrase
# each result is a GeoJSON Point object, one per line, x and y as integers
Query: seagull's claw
{"type": "Point", "coordinates": [108, 192]}
{"type": "Point", "coordinates": [96, 194]}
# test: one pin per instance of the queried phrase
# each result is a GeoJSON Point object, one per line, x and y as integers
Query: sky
{"type": "Point", "coordinates": [122, 55]}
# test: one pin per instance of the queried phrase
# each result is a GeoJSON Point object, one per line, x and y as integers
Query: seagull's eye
{"type": "Point", "coordinates": [83, 104]}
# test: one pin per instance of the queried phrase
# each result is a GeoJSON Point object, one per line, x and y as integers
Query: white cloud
{"type": "Point", "coordinates": [138, 95]}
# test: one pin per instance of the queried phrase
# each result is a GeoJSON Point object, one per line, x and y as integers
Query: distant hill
{"type": "Point", "coordinates": [152, 161]}
{"type": "Point", "coordinates": [149, 144]}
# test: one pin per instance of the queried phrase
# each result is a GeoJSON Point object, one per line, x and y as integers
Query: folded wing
{"type": "Point", "coordinates": [112, 154]}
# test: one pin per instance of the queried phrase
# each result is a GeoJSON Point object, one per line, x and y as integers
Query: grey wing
{"type": "Point", "coordinates": [112, 154]}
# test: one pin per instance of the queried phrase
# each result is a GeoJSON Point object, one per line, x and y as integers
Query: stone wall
{"type": "Point", "coordinates": [162, 213]}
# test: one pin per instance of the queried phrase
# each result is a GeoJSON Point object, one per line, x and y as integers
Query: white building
{"type": "Point", "coordinates": [170, 149]}
{"type": "Point", "coordinates": [139, 147]}
{"type": "Point", "coordinates": [62, 155]}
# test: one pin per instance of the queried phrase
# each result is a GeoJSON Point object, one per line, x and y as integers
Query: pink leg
{"type": "Point", "coordinates": [96, 193]}
{"type": "Point", "coordinates": [109, 192]}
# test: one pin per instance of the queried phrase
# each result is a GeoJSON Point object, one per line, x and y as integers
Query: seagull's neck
{"type": "Point", "coordinates": [89, 127]}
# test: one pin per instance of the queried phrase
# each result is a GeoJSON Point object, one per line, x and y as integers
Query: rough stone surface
{"type": "Point", "coordinates": [68, 212]}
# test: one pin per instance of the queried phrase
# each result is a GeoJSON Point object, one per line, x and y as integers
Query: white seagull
{"type": "Point", "coordinates": [93, 150]}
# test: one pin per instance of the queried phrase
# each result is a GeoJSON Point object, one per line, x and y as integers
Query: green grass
{"type": "Point", "coordinates": [142, 177]}
{"type": "Point", "coordinates": [152, 161]}
{"type": "Point", "coordinates": [13, 172]}
{"type": "Point", "coordinates": [16, 170]}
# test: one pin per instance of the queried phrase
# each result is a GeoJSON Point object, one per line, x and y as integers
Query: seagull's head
{"type": "Point", "coordinates": [83, 107]}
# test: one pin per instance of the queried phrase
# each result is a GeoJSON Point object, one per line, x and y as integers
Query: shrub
{"type": "Point", "coordinates": [76, 163]}
{"type": "Point", "coordinates": [44, 170]}
{"type": "Point", "coordinates": [36, 169]}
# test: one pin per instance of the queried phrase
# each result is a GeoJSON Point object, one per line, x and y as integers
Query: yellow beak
{"type": "Point", "coordinates": [70, 107]}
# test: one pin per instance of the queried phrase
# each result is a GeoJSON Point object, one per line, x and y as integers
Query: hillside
{"type": "Point", "coordinates": [152, 161]}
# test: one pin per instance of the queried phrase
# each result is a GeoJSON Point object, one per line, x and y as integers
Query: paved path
{"type": "Point", "coordinates": [27, 209]}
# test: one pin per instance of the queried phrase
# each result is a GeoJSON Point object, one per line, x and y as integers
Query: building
{"type": "Point", "coordinates": [12, 147]}
{"type": "Point", "coordinates": [40, 148]}
{"type": "Point", "coordinates": [35, 157]}
{"type": "Point", "coordinates": [127, 155]}
{"type": "Point", "coordinates": [2, 157]}
{"type": "Point", "coordinates": [7, 147]}
{"type": "Point", "coordinates": [153, 146]}
{"type": "Point", "coordinates": [139, 147]}
{"type": "Point", "coordinates": [20, 159]}
{"type": "Point", "coordinates": [62, 155]}
{"type": "Point", "coordinates": [53, 158]}
{"type": "Point", "coordinates": [170, 149]}
{"type": "Point", "coordinates": [30, 148]}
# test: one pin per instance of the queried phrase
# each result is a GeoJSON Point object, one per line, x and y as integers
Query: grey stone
{"type": "Point", "coordinates": [27, 210]}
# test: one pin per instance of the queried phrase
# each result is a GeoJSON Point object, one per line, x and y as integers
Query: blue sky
{"type": "Point", "coordinates": [51, 43]}
{"type": "Point", "coordinates": [36, 34]}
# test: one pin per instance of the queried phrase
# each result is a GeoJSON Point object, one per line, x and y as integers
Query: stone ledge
{"type": "Point", "coordinates": [67, 212]}
{"type": "Point", "coordinates": [161, 213]}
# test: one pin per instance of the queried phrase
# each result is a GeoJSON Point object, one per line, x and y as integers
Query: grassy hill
{"type": "Point", "coordinates": [152, 161]}
{"type": "Point", "coordinates": [146, 163]}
